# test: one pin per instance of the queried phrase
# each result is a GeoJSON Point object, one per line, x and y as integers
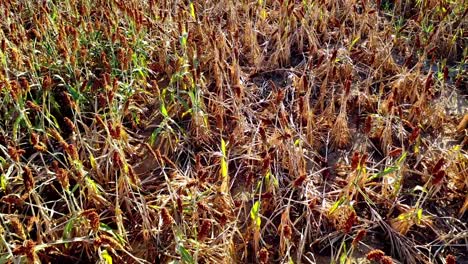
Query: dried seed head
{"type": "Point", "coordinates": [68, 100]}
{"type": "Point", "coordinates": [28, 179]}
{"type": "Point", "coordinates": [203, 207]}
{"type": "Point", "coordinates": [110, 96]}
{"type": "Point", "coordinates": [12, 199]}
{"type": "Point", "coordinates": [429, 82]}
{"type": "Point", "coordinates": [180, 205]}
{"type": "Point", "coordinates": [386, 260]}
{"type": "Point", "coordinates": [350, 220]}
{"type": "Point", "coordinates": [299, 180]}
{"type": "Point", "coordinates": [62, 176]}
{"type": "Point", "coordinates": [287, 232]}
{"type": "Point", "coordinates": [15, 153]}
{"type": "Point", "coordinates": [222, 219]}
{"type": "Point", "coordinates": [438, 177]}
{"type": "Point", "coordinates": [375, 255]}
{"type": "Point", "coordinates": [355, 161]}
{"type": "Point", "coordinates": [204, 230]}
{"type": "Point", "coordinates": [55, 166]}
{"type": "Point", "coordinates": [347, 87]}
{"type": "Point", "coordinates": [117, 159]}
{"type": "Point", "coordinates": [104, 239]}
{"type": "Point", "coordinates": [93, 218]}
{"type": "Point", "coordinates": [263, 256]}
{"type": "Point", "coordinates": [360, 235]}
{"type": "Point", "coordinates": [34, 138]}
{"type": "Point", "coordinates": [40, 148]}
{"type": "Point", "coordinates": [340, 132]}
{"type": "Point", "coordinates": [167, 219]}
{"type": "Point", "coordinates": [279, 97]}
{"type": "Point", "coordinates": [102, 100]}
{"type": "Point", "coordinates": [313, 203]}
{"type": "Point", "coordinates": [116, 133]}
{"type": "Point", "coordinates": [414, 135]}
{"type": "Point", "coordinates": [59, 138]}
{"type": "Point", "coordinates": [27, 249]}
{"type": "Point", "coordinates": [363, 161]}
{"type": "Point", "coordinates": [438, 165]}
{"type": "Point", "coordinates": [31, 222]}
{"type": "Point", "coordinates": [33, 106]}
{"type": "Point", "coordinates": [368, 125]}
{"type": "Point", "coordinates": [56, 135]}
{"type": "Point", "coordinates": [47, 83]}
{"type": "Point", "coordinates": [24, 84]}
{"type": "Point", "coordinates": [70, 125]}
{"type": "Point", "coordinates": [17, 227]}
{"type": "Point", "coordinates": [450, 259]}
{"type": "Point", "coordinates": [463, 124]}
{"type": "Point", "coordinates": [395, 153]}
{"type": "Point", "coordinates": [401, 225]}
{"type": "Point", "coordinates": [72, 152]}
{"type": "Point", "coordinates": [133, 177]}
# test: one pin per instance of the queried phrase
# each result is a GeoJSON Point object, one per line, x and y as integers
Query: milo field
{"type": "Point", "coordinates": [246, 131]}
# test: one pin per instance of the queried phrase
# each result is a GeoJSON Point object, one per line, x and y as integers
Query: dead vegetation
{"type": "Point", "coordinates": [233, 131]}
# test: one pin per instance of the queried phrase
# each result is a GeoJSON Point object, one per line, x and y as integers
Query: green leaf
{"type": "Point", "coordinates": [186, 257]}
{"type": "Point", "coordinates": [105, 255]}
{"type": "Point", "coordinates": [68, 228]}
{"type": "Point", "coordinates": [183, 39]}
{"type": "Point", "coordinates": [16, 126]}
{"type": "Point", "coordinates": [271, 179]}
{"type": "Point", "coordinates": [402, 158]}
{"type": "Point", "coordinates": [153, 136]}
{"type": "Point", "coordinates": [354, 42]}
{"type": "Point", "coordinates": [164, 110]}
{"type": "Point", "coordinates": [343, 257]}
{"type": "Point", "coordinates": [419, 215]}
{"type": "Point", "coordinates": [386, 171]}
{"type": "Point", "coordinates": [5, 258]}
{"type": "Point", "coordinates": [336, 205]}
{"type": "Point", "coordinates": [267, 177]}
{"type": "Point", "coordinates": [255, 209]}
{"type": "Point", "coordinates": [92, 185]}
{"type": "Point", "coordinates": [74, 93]}
{"type": "Point", "coordinates": [254, 214]}
{"type": "Point", "coordinates": [108, 229]}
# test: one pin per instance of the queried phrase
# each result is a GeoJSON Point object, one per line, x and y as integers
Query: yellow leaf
{"type": "Point", "coordinates": [224, 164]}
{"type": "Point", "coordinates": [107, 258]}
{"type": "Point", "coordinates": [263, 14]}
{"type": "Point", "coordinates": [192, 10]}
{"type": "Point", "coordinates": [92, 160]}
